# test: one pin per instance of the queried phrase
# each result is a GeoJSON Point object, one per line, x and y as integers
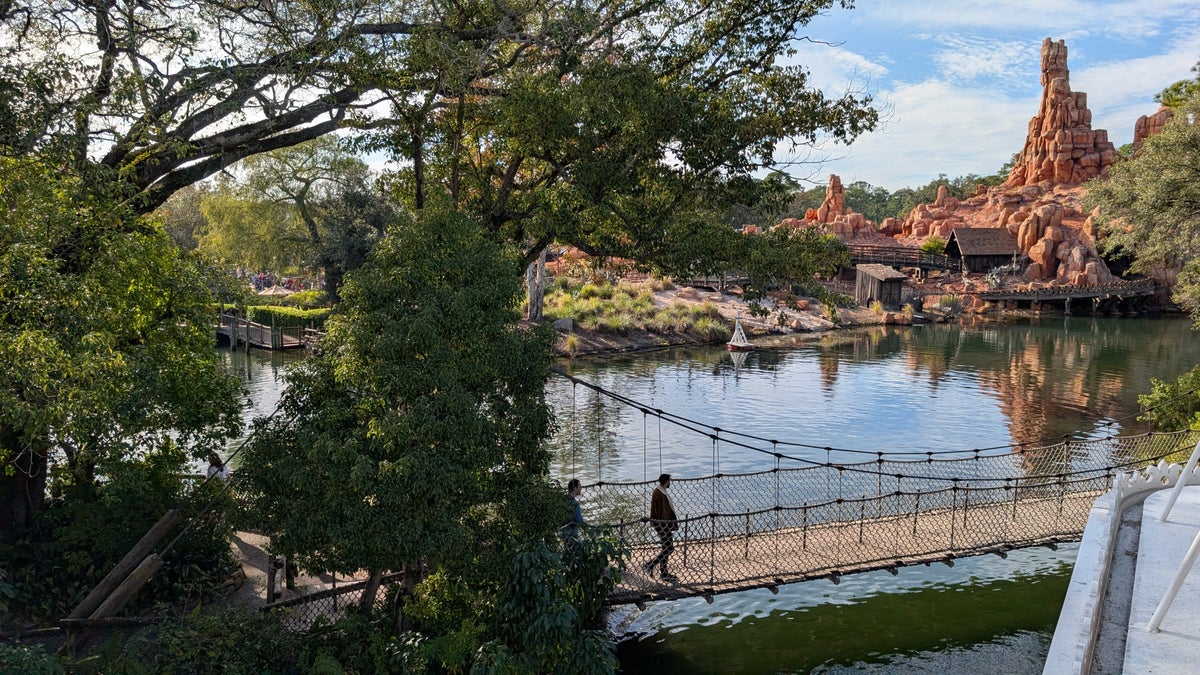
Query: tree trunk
{"type": "Point", "coordinates": [367, 601]}
{"type": "Point", "coordinates": [23, 493]}
{"type": "Point", "coordinates": [535, 279]}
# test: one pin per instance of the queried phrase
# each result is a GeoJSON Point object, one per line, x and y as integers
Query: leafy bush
{"type": "Point", "coordinates": [288, 317]}
{"type": "Point", "coordinates": [27, 661]}
{"type": "Point", "coordinates": [934, 245]}
{"type": "Point", "coordinates": [314, 299]}
{"type": "Point", "coordinates": [231, 639]}
{"type": "Point", "coordinates": [79, 538]}
{"type": "Point", "coordinates": [1171, 406]}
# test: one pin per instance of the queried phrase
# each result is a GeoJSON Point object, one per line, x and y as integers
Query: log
{"type": "Point", "coordinates": [128, 588]}
{"type": "Point", "coordinates": [131, 560]}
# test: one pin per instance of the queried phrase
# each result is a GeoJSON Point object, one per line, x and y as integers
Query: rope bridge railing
{"type": "Point", "coordinates": [739, 531]}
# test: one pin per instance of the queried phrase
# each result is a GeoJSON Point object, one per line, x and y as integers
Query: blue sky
{"type": "Point", "coordinates": [957, 82]}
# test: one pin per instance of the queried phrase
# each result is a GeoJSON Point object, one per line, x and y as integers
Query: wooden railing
{"type": "Point", "coordinates": [902, 256]}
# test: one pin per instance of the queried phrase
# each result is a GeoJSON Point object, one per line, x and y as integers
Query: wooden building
{"type": "Point", "coordinates": [982, 248]}
{"type": "Point", "coordinates": [879, 282]}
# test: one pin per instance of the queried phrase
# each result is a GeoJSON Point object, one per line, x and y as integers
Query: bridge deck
{"type": "Point", "coordinates": [766, 559]}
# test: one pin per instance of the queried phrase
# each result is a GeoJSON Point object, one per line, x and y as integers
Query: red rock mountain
{"type": "Point", "coordinates": [1039, 203]}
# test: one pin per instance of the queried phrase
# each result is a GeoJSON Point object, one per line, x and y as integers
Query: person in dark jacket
{"type": "Point", "coordinates": [664, 522]}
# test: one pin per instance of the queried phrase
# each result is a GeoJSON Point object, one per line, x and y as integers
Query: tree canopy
{"type": "Point", "coordinates": [1150, 205]}
{"type": "Point", "coordinates": [105, 342]}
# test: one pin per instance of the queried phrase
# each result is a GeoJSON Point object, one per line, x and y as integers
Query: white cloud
{"type": "Point", "coordinates": [971, 57]}
{"type": "Point", "coordinates": [936, 128]}
{"type": "Point", "coordinates": [1121, 91]}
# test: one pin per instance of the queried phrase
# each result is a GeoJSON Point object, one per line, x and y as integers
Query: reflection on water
{"type": "Point", "coordinates": [886, 389]}
{"type": "Point", "coordinates": [262, 374]}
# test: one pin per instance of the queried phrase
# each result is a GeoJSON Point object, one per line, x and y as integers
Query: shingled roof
{"type": "Point", "coordinates": [880, 272]}
{"type": "Point", "coordinates": [984, 241]}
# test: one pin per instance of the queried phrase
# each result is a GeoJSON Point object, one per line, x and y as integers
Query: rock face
{"type": "Point", "coordinates": [1061, 146]}
{"type": "Point", "coordinates": [1148, 125]}
{"type": "Point", "coordinates": [834, 217]}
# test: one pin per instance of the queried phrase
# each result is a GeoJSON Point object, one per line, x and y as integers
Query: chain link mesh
{"type": "Point", "coordinates": [299, 614]}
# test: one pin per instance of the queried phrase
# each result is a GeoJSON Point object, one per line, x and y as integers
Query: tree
{"type": "Point", "coordinates": [243, 230]}
{"type": "Point", "coordinates": [165, 95]}
{"type": "Point", "coordinates": [1150, 205]}
{"type": "Point", "coordinates": [417, 438]}
{"type": "Point", "coordinates": [105, 342]}
{"type": "Point", "coordinates": [335, 196]}
{"type": "Point", "coordinates": [1179, 93]}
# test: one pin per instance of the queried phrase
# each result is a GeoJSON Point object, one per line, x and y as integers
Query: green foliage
{"type": "Point", "coordinates": [314, 299]}
{"type": "Point", "coordinates": [934, 245]}
{"type": "Point", "coordinates": [106, 353]}
{"type": "Point", "coordinates": [1177, 94]}
{"type": "Point", "coordinates": [81, 536]}
{"type": "Point", "coordinates": [1171, 406]}
{"type": "Point", "coordinates": [230, 639]}
{"type": "Point", "coordinates": [28, 661]}
{"type": "Point", "coordinates": [240, 229]}
{"type": "Point", "coordinates": [1150, 205]}
{"type": "Point", "coordinates": [288, 317]}
{"type": "Point", "coordinates": [422, 416]}
{"type": "Point", "coordinates": [785, 255]}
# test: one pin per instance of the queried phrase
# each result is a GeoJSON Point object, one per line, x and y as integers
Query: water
{"type": "Point", "coordinates": [881, 389]}
{"type": "Point", "coordinates": [884, 389]}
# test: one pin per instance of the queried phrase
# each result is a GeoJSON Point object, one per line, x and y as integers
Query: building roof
{"type": "Point", "coordinates": [881, 272]}
{"type": "Point", "coordinates": [984, 241]}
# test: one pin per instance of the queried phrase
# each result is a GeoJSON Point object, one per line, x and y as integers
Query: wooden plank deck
{"type": "Point", "coordinates": [708, 566]}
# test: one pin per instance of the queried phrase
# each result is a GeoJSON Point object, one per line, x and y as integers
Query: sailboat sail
{"type": "Point", "coordinates": [738, 341]}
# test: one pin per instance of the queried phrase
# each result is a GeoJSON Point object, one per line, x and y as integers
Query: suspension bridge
{"type": "Point", "coordinates": [855, 511]}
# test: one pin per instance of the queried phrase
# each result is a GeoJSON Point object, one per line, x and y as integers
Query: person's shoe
{"type": "Point", "coordinates": [670, 578]}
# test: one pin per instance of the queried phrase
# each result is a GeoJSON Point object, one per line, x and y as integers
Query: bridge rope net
{"type": "Point", "coordinates": [807, 518]}
{"type": "Point", "coordinates": [786, 524]}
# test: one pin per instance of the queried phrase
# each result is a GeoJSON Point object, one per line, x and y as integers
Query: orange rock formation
{"type": "Point", "coordinates": [1061, 145]}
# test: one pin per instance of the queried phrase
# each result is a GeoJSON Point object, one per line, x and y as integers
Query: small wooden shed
{"type": "Point", "coordinates": [879, 282]}
{"type": "Point", "coordinates": [982, 248]}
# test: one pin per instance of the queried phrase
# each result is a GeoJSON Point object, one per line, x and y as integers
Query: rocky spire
{"type": "Point", "coordinates": [1061, 146]}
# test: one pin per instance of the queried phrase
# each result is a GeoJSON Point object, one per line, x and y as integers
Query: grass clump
{"type": "Point", "coordinates": [620, 308]}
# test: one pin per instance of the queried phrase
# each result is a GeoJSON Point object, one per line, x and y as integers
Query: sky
{"type": "Point", "coordinates": [957, 82]}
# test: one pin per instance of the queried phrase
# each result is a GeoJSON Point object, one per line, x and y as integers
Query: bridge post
{"type": "Point", "coordinates": [966, 503]}
{"type": "Point", "coordinates": [916, 510]}
{"type": "Point", "coordinates": [746, 547]}
{"type": "Point", "coordinates": [953, 511]}
{"type": "Point", "coordinates": [804, 528]}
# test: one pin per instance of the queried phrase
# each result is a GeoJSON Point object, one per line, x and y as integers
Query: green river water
{"type": "Point", "coordinates": [886, 389]}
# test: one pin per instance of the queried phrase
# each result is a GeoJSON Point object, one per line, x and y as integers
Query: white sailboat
{"type": "Point", "coordinates": [738, 343]}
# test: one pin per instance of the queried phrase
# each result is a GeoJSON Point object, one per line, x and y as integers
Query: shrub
{"type": "Point", "coordinates": [877, 306]}
{"type": "Point", "coordinates": [229, 640]}
{"type": "Point", "coordinates": [288, 317]}
{"type": "Point", "coordinates": [571, 344]}
{"type": "Point", "coordinates": [307, 299]}
{"type": "Point", "coordinates": [27, 660]}
{"type": "Point", "coordinates": [934, 245]}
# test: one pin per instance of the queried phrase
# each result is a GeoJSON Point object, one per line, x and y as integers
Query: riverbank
{"type": "Point", "coordinates": [810, 319]}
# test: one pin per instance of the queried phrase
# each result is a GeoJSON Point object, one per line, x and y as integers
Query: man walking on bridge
{"type": "Point", "coordinates": [664, 521]}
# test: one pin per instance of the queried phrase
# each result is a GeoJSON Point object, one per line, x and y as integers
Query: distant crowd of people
{"type": "Point", "coordinates": [261, 281]}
